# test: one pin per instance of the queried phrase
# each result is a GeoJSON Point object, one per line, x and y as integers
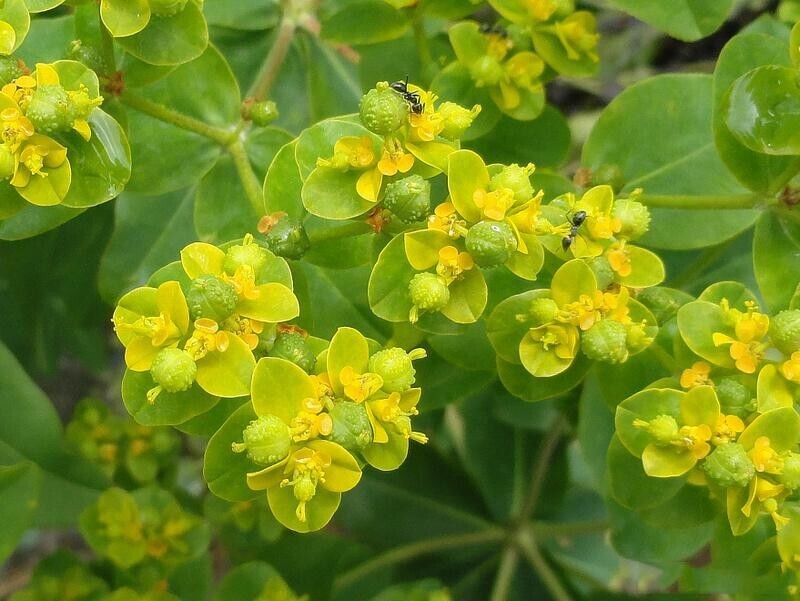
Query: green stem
{"type": "Point", "coordinates": [274, 60]}
{"type": "Point", "coordinates": [666, 360]}
{"type": "Point", "coordinates": [505, 574]}
{"type": "Point", "coordinates": [567, 529]}
{"type": "Point", "coordinates": [353, 228]}
{"type": "Point", "coordinates": [413, 550]}
{"type": "Point", "coordinates": [252, 187]}
{"type": "Point", "coordinates": [721, 201]}
{"type": "Point", "coordinates": [168, 115]}
{"type": "Point", "coordinates": [548, 448]}
{"type": "Point", "coordinates": [530, 550]}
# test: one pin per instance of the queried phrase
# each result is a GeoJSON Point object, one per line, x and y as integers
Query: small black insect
{"type": "Point", "coordinates": [412, 98]}
{"type": "Point", "coordinates": [575, 222]}
{"type": "Point", "coordinates": [493, 28]}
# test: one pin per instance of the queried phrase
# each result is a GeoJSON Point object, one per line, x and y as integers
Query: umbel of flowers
{"type": "Point", "coordinates": [306, 435]}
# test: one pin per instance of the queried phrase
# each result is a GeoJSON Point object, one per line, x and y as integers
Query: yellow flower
{"type": "Point", "coordinates": [311, 421]}
{"type": "Point", "coordinates": [561, 340]}
{"type": "Point", "coordinates": [583, 312]}
{"type": "Point", "coordinates": [526, 219]}
{"type": "Point", "coordinates": [447, 220]}
{"type": "Point", "coordinates": [244, 281]}
{"type": "Point", "coordinates": [307, 467]}
{"type": "Point", "coordinates": [540, 10]}
{"type": "Point", "coordinates": [428, 124]}
{"type": "Point", "coordinates": [453, 263]}
{"type": "Point", "coordinates": [750, 327]}
{"type": "Point", "coordinates": [578, 35]}
{"type": "Point", "coordinates": [493, 205]}
{"type": "Point", "coordinates": [767, 494]}
{"type": "Point", "coordinates": [395, 161]}
{"type": "Point", "coordinates": [696, 375]}
{"type": "Point", "coordinates": [619, 259]}
{"type": "Point", "coordinates": [521, 72]}
{"type": "Point", "coordinates": [695, 438]}
{"type": "Point", "coordinates": [207, 337]}
{"type": "Point", "coordinates": [350, 152]}
{"type": "Point", "coordinates": [764, 457]}
{"type": "Point", "coordinates": [20, 90]}
{"type": "Point", "coordinates": [16, 128]}
{"type": "Point", "coordinates": [245, 328]}
{"type": "Point", "coordinates": [37, 154]}
{"type": "Point", "coordinates": [727, 429]}
{"type": "Point", "coordinates": [359, 387]}
{"type": "Point", "coordinates": [791, 368]}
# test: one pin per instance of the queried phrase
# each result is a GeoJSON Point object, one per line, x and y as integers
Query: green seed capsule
{"type": "Point", "coordinates": [606, 341]}
{"type": "Point", "coordinates": [351, 427]}
{"type": "Point", "coordinates": [260, 113]}
{"type": "Point", "coordinates": [517, 179]}
{"type": "Point", "coordinates": [784, 329]}
{"type": "Point", "coordinates": [602, 272]}
{"type": "Point", "coordinates": [383, 110]}
{"type": "Point", "coordinates": [293, 347]}
{"type": "Point", "coordinates": [50, 109]}
{"type": "Point", "coordinates": [663, 429]}
{"type": "Point", "coordinates": [409, 199]}
{"type": "Point", "coordinates": [734, 397]}
{"type": "Point", "coordinates": [250, 254]}
{"type": "Point", "coordinates": [634, 217]}
{"type": "Point", "coordinates": [212, 298]}
{"type": "Point", "coordinates": [267, 440]}
{"type": "Point", "coordinates": [491, 243]}
{"type": "Point", "coordinates": [729, 465]}
{"type": "Point", "coordinates": [543, 311]}
{"type": "Point", "coordinates": [10, 69]}
{"type": "Point", "coordinates": [395, 366]}
{"type": "Point", "coordinates": [287, 238]}
{"type": "Point", "coordinates": [173, 369]}
{"type": "Point", "coordinates": [790, 477]}
{"type": "Point", "coordinates": [167, 8]}
{"type": "Point", "coordinates": [428, 292]}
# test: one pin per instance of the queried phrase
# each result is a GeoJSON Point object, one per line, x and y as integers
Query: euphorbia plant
{"type": "Point", "coordinates": [360, 320]}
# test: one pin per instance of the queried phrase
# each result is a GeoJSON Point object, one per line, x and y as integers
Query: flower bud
{"type": "Point", "coordinates": [383, 110]}
{"type": "Point", "coordinates": [260, 113]}
{"type": "Point", "coordinates": [456, 119]}
{"type": "Point", "coordinates": [663, 429]}
{"type": "Point", "coordinates": [395, 366]}
{"type": "Point", "coordinates": [486, 71]}
{"type": "Point", "coordinates": [10, 69]}
{"type": "Point", "coordinates": [634, 217]}
{"type": "Point", "coordinates": [173, 369]}
{"type": "Point", "coordinates": [167, 8]}
{"type": "Point", "coordinates": [606, 341]}
{"type": "Point", "coordinates": [287, 238]}
{"type": "Point", "coordinates": [729, 465]}
{"type": "Point", "coordinates": [608, 175]}
{"type": "Point", "coordinates": [428, 291]}
{"type": "Point", "coordinates": [790, 476]}
{"type": "Point", "coordinates": [293, 347]}
{"type": "Point", "coordinates": [212, 298]}
{"type": "Point", "coordinates": [543, 311]}
{"type": "Point", "coordinates": [603, 272]}
{"type": "Point", "coordinates": [409, 199]}
{"type": "Point", "coordinates": [491, 243]}
{"type": "Point", "coordinates": [784, 329]}
{"type": "Point", "coordinates": [734, 397]}
{"type": "Point", "coordinates": [267, 440]}
{"type": "Point", "coordinates": [248, 253]}
{"type": "Point", "coordinates": [661, 304]}
{"type": "Point", "coordinates": [517, 179]}
{"type": "Point", "coordinates": [50, 110]}
{"type": "Point", "coordinates": [351, 427]}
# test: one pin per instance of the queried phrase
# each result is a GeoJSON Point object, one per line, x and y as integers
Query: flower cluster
{"type": "Point", "coordinates": [34, 107]}
{"type": "Point", "coordinates": [308, 430]}
{"type": "Point", "coordinates": [200, 327]}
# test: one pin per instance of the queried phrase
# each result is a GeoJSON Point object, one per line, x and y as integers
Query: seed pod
{"type": "Point", "coordinates": [634, 217]}
{"type": "Point", "coordinates": [491, 243]}
{"type": "Point", "coordinates": [785, 331]}
{"type": "Point", "coordinates": [267, 440]}
{"type": "Point", "coordinates": [238, 255]}
{"type": "Point", "coordinates": [428, 292]}
{"type": "Point", "coordinates": [293, 347]}
{"type": "Point", "coordinates": [456, 119]}
{"type": "Point", "coordinates": [409, 199]}
{"type": "Point", "coordinates": [606, 341]}
{"type": "Point", "coordinates": [351, 427]}
{"type": "Point", "coordinates": [603, 272]}
{"type": "Point", "coordinates": [383, 110]}
{"type": "Point", "coordinates": [517, 179]}
{"type": "Point", "coordinates": [173, 369]}
{"type": "Point", "coordinates": [663, 429]}
{"type": "Point", "coordinates": [395, 366]}
{"type": "Point", "coordinates": [287, 238]}
{"type": "Point", "coordinates": [790, 477]}
{"type": "Point", "coordinates": [260, 113]}
{"type": "Point", "coordinates": [734, 397]}
{"type": "Point", "coordinates": [212, 298]}
{"type": "Point", "coordinates": [50, 109]}
{"type": "Point", "coordinates": [543, 311]}
{"type": "Point", "coordinates": [729, 465]}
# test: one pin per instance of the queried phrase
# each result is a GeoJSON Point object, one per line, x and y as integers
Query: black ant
{"type": "Point", "coordinates": [575, 222]}
{"type": "Point", "coordinates": [412, 98]}
{"type": "Point", "coordinates": [493, 28]}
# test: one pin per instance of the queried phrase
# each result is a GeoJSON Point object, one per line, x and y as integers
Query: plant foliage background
{"type": "Point", "coordinates": [606, 346]}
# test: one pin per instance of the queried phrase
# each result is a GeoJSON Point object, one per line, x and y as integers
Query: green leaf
{"type": "Point", "coordinates": [204, 89]}
{"type": "Point", "coordinates": [248, 15]}
{"type": "Point", "coordinates": [279, 388]}
{"type": "Point", "coordinates": [522, 384]}
{"type": "Point", "coordinates": [19, 497]}
{"type": "Point", "coordinates": [468, 297]}
{"type": "Point", "coordinates": [123, 18]}
{"type": "Point", "coordinates": [346, 25]}
{"type": "Point", "coordinates": [332, 194]}
{"type": "Point", "coordinates": [169, 408]}
{"type": "Point", "coordinates": [169, 40]}
{"type": "Point", "coordinates": [38, 6]}
{"type": "Point", "coordinates": [630, 486]}
{"type": "Point", "coordinates": [757, 171]}
{"type": "Point", "coordinates": [466, 173]}
{"type": "Point", "coordinates": [227, 374]}
{"type": "Point", "coordinates": [282, 184]}
{"type": "Point", "coordinates": [16, 22]}
{"type": "Point", "coordinates": [775, 247]}
{"type": "Point", "coordinates": [247, 582]}
{"type": "Point", "coordinates": [781, 426]}
{"type": "Point", "coordinates": [224, 471]}
{"type": "Point", "coordinates": [388, 284]}
{"type": "Point", "coordinates": [685, 161]}
{"type": "Point", "coordinates": [697, 322]}
{"type": "Point", "coordinates": [645, 405]}
{"type": "Point", "coordinates": [687, 20]}
{"type": "Point", "coordinates": [318, 140]}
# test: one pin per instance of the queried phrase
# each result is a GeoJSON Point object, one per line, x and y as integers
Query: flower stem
{"type": "Point", "coordinates": [250, 183]}
{"type": "Point", "coordinates": [530, 550]}
{"type": "Point", "coordinates": [274, 60]}
{"type": "Point", "coordinates": [505, 574]}
{"type": "Point", "coordinates": [168, 115]}
{"type": "Point", "coordinates": [566, 529]}
{"type": "Point", "coordinates": [700, 202]}
{"type": "Point", "coordinates": [414, 550]}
